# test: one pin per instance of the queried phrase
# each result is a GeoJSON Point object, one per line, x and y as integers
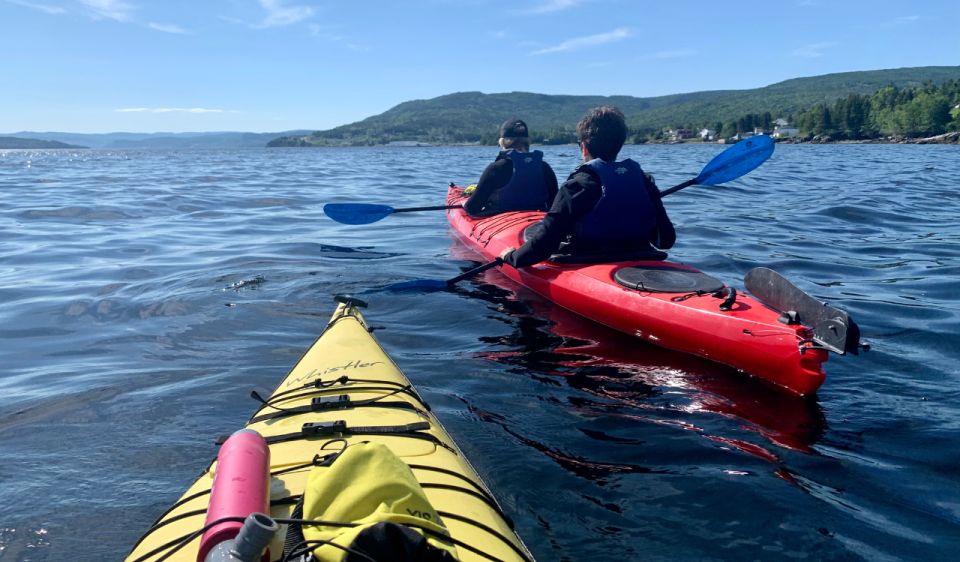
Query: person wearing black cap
{"type": "Point", "coordinates": [518, 180]}
{"type": "Point", "coordinates": [607, 210]}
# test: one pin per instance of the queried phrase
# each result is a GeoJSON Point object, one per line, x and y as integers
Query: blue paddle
{"type": "Point", "coordinates": [732, 163]}
{"type": "Point", "coordinates": [736, 161]}
{"type": "Point", "coordinates": [366, 213]}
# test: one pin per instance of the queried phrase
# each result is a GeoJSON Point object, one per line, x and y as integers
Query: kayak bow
{"type": "Point", "coordinates": [346, 397]}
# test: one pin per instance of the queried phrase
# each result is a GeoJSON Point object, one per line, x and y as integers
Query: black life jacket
{"type": "Point", "coordinates": [526, 190]}
{"type": "Point", "coordinates": [625, 213]}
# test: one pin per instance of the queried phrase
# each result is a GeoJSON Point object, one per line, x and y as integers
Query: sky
{"type": "Point", "coordinates": [96, 66]}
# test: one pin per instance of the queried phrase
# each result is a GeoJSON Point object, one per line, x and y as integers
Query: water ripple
{"type": "Point", "coordinates": [142, 293]}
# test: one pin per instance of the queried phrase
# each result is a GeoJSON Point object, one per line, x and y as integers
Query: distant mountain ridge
{"type": "Point", "coordinates": [31, 143]}
{"type": "Point", "coordinates": [160, 140]}
{"type": "Point", "coordinates": [472, 117]}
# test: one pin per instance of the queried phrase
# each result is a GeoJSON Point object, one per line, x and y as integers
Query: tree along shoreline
{"type": "Point", "coordinates": [890, 114]}
{"type": "Point", "coordinates": [945, 138]}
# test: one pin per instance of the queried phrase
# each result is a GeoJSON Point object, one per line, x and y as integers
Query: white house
{"type": "Point", "coordinates": [781, 122]}
{"type": "Point", "coordinates": [785, 132]}
{"type": "Point", "coordinates": [707, 134]}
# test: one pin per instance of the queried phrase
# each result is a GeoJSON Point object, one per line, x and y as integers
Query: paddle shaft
{"type": "Point", "coordinates": [471, 272]}
{"type": "Point", "coordinates": [677, 188]}
{"type": "Point", "coordinates": [434, 208]}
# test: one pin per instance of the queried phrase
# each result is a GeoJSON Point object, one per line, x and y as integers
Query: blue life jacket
{"type": "Point", "coordinates": [526, 190]}
{"type": "Point", "coordinates": [624, 214]}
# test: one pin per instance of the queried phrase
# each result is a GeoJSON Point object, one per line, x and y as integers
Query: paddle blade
{"type": "Point", "coordinates": [737, 160]}
{"type": "Point", "coordinates": [424, 285]}
{"type": "Point", "coordinates": [356, 213]}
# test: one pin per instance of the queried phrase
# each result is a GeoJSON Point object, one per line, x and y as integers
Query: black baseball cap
{"type": "Point", "coordinates": [513, 128]}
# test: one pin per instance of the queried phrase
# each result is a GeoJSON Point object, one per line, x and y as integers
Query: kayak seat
{"type": "Point", "coordinates": [592, 256]}
{"type": "Point", "coordinates": [666, 279]}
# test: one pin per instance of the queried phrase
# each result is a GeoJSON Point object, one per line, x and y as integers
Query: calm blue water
{"type": "Point", "coordinates": [142, 294]}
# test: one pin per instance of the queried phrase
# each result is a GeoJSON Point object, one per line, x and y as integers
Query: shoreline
{"type": "Point", "coordinates": [945, 138]}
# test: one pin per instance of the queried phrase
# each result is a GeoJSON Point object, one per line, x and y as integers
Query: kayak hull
{"type": "Point", "coordinates": [748, 337]}
{"type": "Point", "coordinates": [358, 386]}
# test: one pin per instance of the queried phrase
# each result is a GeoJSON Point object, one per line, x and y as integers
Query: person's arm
{"type": "Point", "coordinates": [577, 197]}
{"type": "Point", "coordinates": [663, 235]}
{"type": "Point", "coordinates": [495, 176]}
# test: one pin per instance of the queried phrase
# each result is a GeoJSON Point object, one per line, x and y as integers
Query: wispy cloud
{"type": "Point", "coordinates": [116, 10]}
{"type": "Point", "coordinates": [52, 10]}
{"type": "Point", "coordinates": [813, 50]}
{"type": "Point", "coordinates": [675, 54]}
{"type": "Point", "coordinates": [279, 14]}
{"type": "Point", "coordinates": [903, 20]}
{"type": "Point", "coordinates": [551, 6]}
{"type": "Point", "coordinates": [326, 33]}
{"type": "Point", "coordinates": [578, 43]}
{"type": "Point", "coordinates": [167, 28]}
{"type": "Point", "coordinates": [171, 110]}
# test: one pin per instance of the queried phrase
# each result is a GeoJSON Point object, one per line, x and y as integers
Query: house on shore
{"type": "Point", "coordinates": [785, 132]}
{"type": "Point", "coordinates": [707, 134]}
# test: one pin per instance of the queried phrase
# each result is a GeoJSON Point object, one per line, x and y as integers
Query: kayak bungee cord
{"type": "Point", "coordinates": [341, 402]}
{"type": "Point", "coordinates": [343, 380]}
{"type": "Point", "coordinates": [340, 427]}
{"type": "Point", "coordinates": [318, 460]}
{"type": "Point", "coordinates": [305, 547]}
{"type": "Point", "coordinates": [175, 545]}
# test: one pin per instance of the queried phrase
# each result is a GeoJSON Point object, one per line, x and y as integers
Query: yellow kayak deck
{"type": "Point", "coordinates": [345, 390]}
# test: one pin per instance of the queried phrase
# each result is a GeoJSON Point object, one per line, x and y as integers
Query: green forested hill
{"type": "Point", "coordinates": [467, 117]}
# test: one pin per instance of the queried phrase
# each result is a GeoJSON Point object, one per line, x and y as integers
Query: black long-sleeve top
{"type": "Point", "coordinates": [495, 176]}
{"type": "Point", "coordinates": [577, 197]}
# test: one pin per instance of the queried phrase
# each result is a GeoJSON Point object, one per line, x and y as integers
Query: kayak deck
{"type": "Point", "coordinates": [345, 390]}
{"type": "Point", "coordinates": [748, 336]}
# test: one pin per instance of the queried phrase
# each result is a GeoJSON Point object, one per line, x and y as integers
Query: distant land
{"type": "Point", "coordinates": [16, 142]}
{"type": "Point", "coordinates": [220, 140]}
{"type": "Point", "coordinates": [473, 117]}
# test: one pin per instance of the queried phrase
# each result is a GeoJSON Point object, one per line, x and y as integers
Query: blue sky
{"type": "Point", "coordinates": [274, 65]}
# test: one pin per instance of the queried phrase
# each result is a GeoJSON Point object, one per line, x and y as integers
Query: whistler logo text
{"type": "Point", "coordinates": [320, 373]}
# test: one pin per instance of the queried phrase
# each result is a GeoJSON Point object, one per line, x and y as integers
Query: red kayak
{"type": "Point", "coordinates": [678, 307]}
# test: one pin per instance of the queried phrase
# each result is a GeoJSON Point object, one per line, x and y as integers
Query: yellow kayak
{"type": "Point", "coordinates": [352, 455]}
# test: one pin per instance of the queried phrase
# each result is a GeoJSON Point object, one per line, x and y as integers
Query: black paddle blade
{"type": "Point", "coordinates": [833, 328]}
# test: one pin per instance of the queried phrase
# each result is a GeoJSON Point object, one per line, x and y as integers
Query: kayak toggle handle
{"type": "Point", "coordinates": [789, 318]}
{"type": "Point", "coordinates": [729, 296]}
